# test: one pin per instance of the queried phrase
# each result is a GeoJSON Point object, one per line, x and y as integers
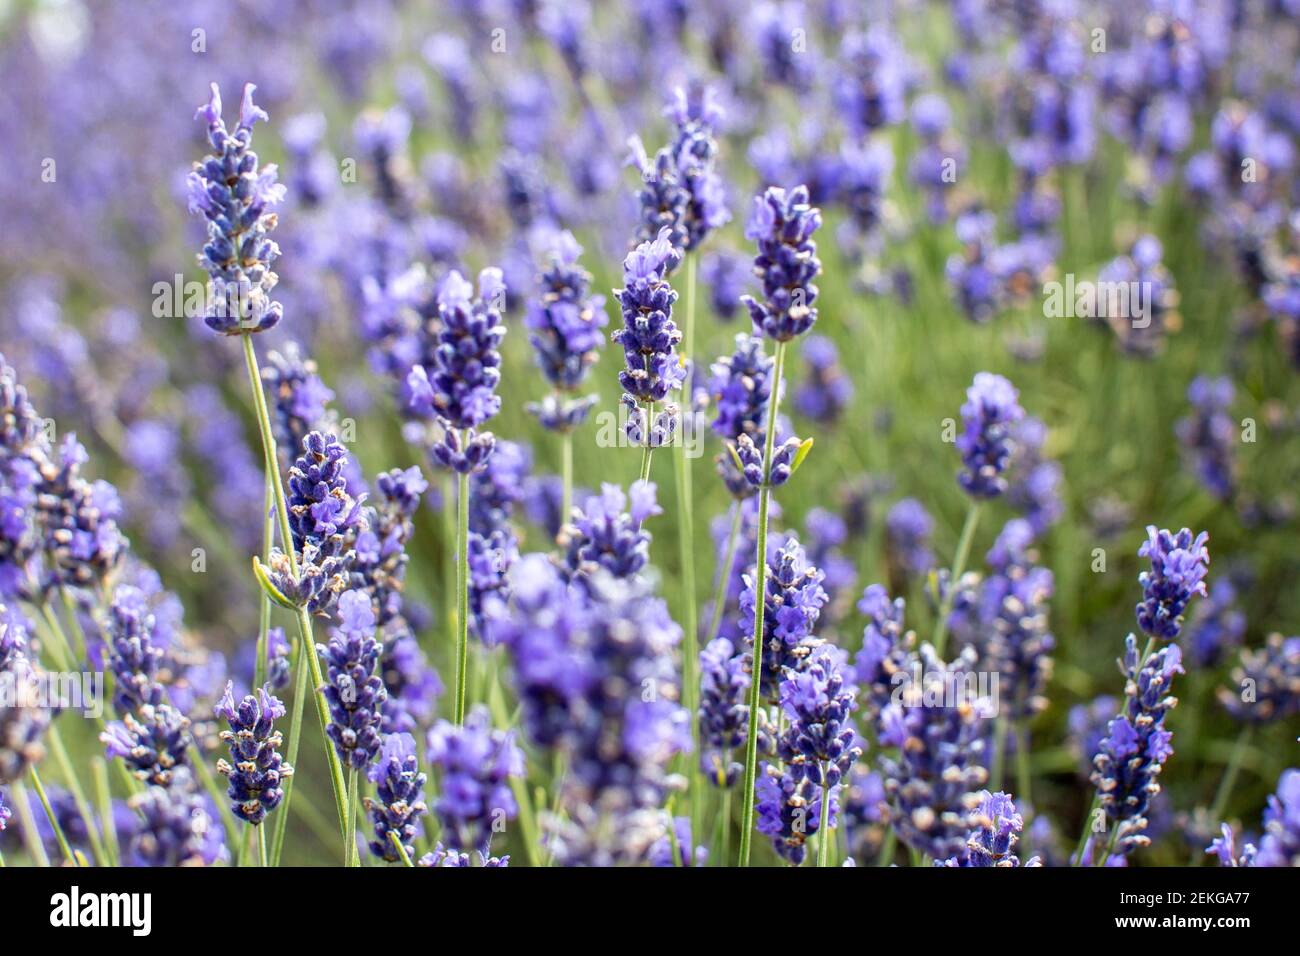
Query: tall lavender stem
{"type": "Point", "coordinates": [760, 572]}
{"type": "Point", "coordinates": [685, 544]}
{"type": "Point", "coordinates": [271, 458]}
{"type": "Point", "coordinates": [462, 591]}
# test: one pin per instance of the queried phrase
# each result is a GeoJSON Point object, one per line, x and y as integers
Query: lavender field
{"type": "Point", "coordinates": [556, 433]}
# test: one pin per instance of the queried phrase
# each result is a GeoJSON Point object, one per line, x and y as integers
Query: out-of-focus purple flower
{"type": "Point", "coordinates": [939, 769]}
{"type": "Point", "coordinates": [1225, 848]}
{"type": "Point", "coordinates": [989, 415]}
{"type": "Point", "coordinates": [908, 527]}
{"type": "Point", "coordinates": [663, 855]}
{"type": "Point", "coordinates": [726, 274]}
{"type": "Point", "coordinates": [21, 727]}
{"type": "Point", "coordinates": [298, 395]}
{"type": "Point", "coordinates": [607, 532]}
{"type": "Point", "coordinates": [176, 827]}
{"type": "Point", "coordinates": [871, 81]}
{"type": "Point", "coordinates": [1179, 564]}
{"type": "Point", "coordinates": [886, 650]}
{"type": "Point", "coordinates": [1209, 435]}
{"type": "Point", "coordinates": [1218, 625]}
{"type": "Point", "coordinates": [781, 34]}
{"type": "Point", "coordinates": [474, 764]}
{"type": "Point", "coordinates": [1267, 682]}
{"type": "Point", "coordinates": [1280, 844]}
{"type": "Point", "coordinates": [696, 112]}
{"type": "Point", "coordinates": [565, 324]}
{"type": "Point", "coordinates": [741, 386]}
{"type": "Point", "coordinates": [235, 196]}
{"type": "Point", "coordinates": [724, 711]}
{"type": "Point", "coordinates": [1035, 481]}
{"type": "Point", "coordinates": [1088, 724]}
{"type": "Point", "coordinates": [1140, 318]}
{"type": "Point", "coordinates": [826, 389]}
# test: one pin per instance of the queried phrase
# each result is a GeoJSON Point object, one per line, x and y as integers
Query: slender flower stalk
{"type": "Point", "coordinates": [238, 223]}
{"type": "Point", "coordinates": [782, 226]}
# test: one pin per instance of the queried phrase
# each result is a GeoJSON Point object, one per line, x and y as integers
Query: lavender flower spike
{"type": "Point", "coordinates": [649, 338]}
{"type": "Point", "coordinates": [992, 407]}
{"type": "Point", "coordinates": [257, 770]}
{"type": "Point", "coordinates": [993, 840]}
{"type": "Point", "coordinates": [1137, 745]}
{"type": "Point", "coordinates": [1178, 567]}
{"type": "Point", "coordinates": [782, 225]}
{"type": "Point", "coordinates": [1280, 845]}
{"type": "Point", "coordinates": [353, 690]}
{"type": "Point", "coordinates": [235, 197]}
{"type": "Point", "coordinates": [399, 803]}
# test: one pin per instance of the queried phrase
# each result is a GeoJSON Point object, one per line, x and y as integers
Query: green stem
{"type": "Point", "coordinates": [724, 575]}
{"type": "Point", "coordinates": [686, 552]}
{"type": "Point", "coordinates": [104, 801]}
{"type": "Point", "coordinates": [270, 458]}
{"type": "Point", "coordinates": [958, 568]}
{"type": "Point", "coordinates": [756, 651]}
{"type": "Point", "coordinates": [78, 794]}
{"type": "Point", "coordinates": [64, 848]}
{"type": "Point", "coordinates": [1230, 773]}
{"type": "Point", "coordinates": [262, 859]}
{"type": "Point", "coordinates": [401, 850]}
{"type": "Point", "coordinates": [647, 450]}
{"type": "Point", "coordinates": [566, 474]}
{"type": "Point", "coordinates": [31, 836]}
{"type": "Point", "coordinates": [353, 854]}
{"type": "Point", "coordinates": [263, 663]}
{"type": "Point", "coordinates": [462, 591]}
{"type": "Point", "coordinates": [1023, 781]}
{"type": "Point", "coordinates": [823, 827]}
{"type": "Point", "coordinates": [79, 646]}
{"type": "Point", "coordinates": [999, 752]}
{"type": "Point", "coordinates": [291, 754]}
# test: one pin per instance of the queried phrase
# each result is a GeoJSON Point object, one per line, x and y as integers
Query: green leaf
{"type": "Point", "coordinates": [271, 591]}
{"type": "Point", "coordinates": [735, 456]}
{"type": "Point", "coordinates": [804, 447]}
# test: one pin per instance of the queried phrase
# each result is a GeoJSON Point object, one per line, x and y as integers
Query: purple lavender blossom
{"type": "Point", "coordinates": [662, 854]}
{"type": "Point", "coordinates": [1035, 481]}
{"type": "Point", "coordinates": [1209, 435]}
{"type": "Point", "coordinates": [459, 387]}
{"type": "Point", "coordinates": [353, 690]}
{"type": "Point", "coordinates": [908, 527]}
{"type": "Point", "coordinates": [726, 274]}
{"type": "Point", "coordinates": [794, 597]}
{"type": "Point", "coordinates": [474, 764]}
{"type": "Point", "coordinates": [1224, 847]}
{"type": "Point", "coordinates": [826, 390]}
{"type": "Point", "coordinates": [5, 813]}
{"type": "Point", "coordinates": [1266, 681]}
{"type": "Point", "coordinates": [939, 768]}
{"type": "Point", "coordinates": [176, 827]}
{"type": "Point", "coordinates": [1178, 568]}
{"type": "Point", "coordinates": [298, 395]}
{"type": "Point", "coordinates": [607, 532]}
{"type": "Point", "coordinates": [564, 323]}
{"type": "Point", "coordinates": [993, 839]}
{"type": "Point", "coordinates": [1280, 845]}
{"type": "Point", "coordinates": [1088, 724]}
{"type": "Point", "coordinates": [399, 798]}
{"type": "Point", "coordinates": [986, 443]}
{"type": "Point", "coordinates": [819, 741]}
{"type": "Point", "coordinates": [1137, 745]}
{"type": "Point", "coordinates": [724, 710]}
{"type": "Point", "coordinates": [741, 386]}
{"type": "Point", "coordinates": [257, 770]}
{"type": "Point", "coordinates": [789, 810]}
{"type": "Point", "coordinates": [696, 113]}
{"type": "Point", "coordinates": [886, 650]}
{"type": "Point", "coordinates": [235, 197]}
{"type": "Point", "coordinates": [78, 518]}
{"type": "Point", "coordinates": [649, 338]}
{"type": "Point", "coordinates": [782, 225]}
{"type": "Point", "coordinates": [1218, 625]}
{"type": "Point", "coordinates": [21, 727]}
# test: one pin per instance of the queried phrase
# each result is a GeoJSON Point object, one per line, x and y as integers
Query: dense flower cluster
{"type": "Point", "coordinates": [741, 387]}
{"type": "Point", "coordinates": [793, 597]}
{"type": "Point", "coordinates": [594, 671]}
{"type": "Point", "coordinates": [992, 841]}
{"type": "Point", "coordinates": [353, 689]}
{"type": "Point", "coordinates": [474, 764]}
{"type": "Point", "coordinates": [565, 324]}
{"type": "Point", "coordinates": [176, 828]}
{"type": "Point", "coordinates": [724, 710]}
{"type": "Point", "coordinates": [22, 726]}
{"type": "Point", "coordinates": [1266, 682]}
{"type": "Point", "coordinates": [886, 651]}
{"type": "Point", "coordinates": [607, 532]}
{"type": "Point", "coordinates": [458, 388]}
{"type": "Point", "coordinates": [1178, 567]}
{"type": "Point", "coordinates": [1137, 745]}
{"type": "Point", "coordinates": [399, 798]}
{"type": "Point", "coordinates": [934, 781]}
{"type": "Point", "coordinates": [986, 442]}
{"type": "Point", "coordinates": [236, 196]}
{"type": "Point", "coordinates": [256, 770]}
{"type": "Point", "coordinates": [649, 338]}
{"type": "Point", "coordinates": [696, 112]}
{"type": "Point", "coordinates": [782, 225]}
